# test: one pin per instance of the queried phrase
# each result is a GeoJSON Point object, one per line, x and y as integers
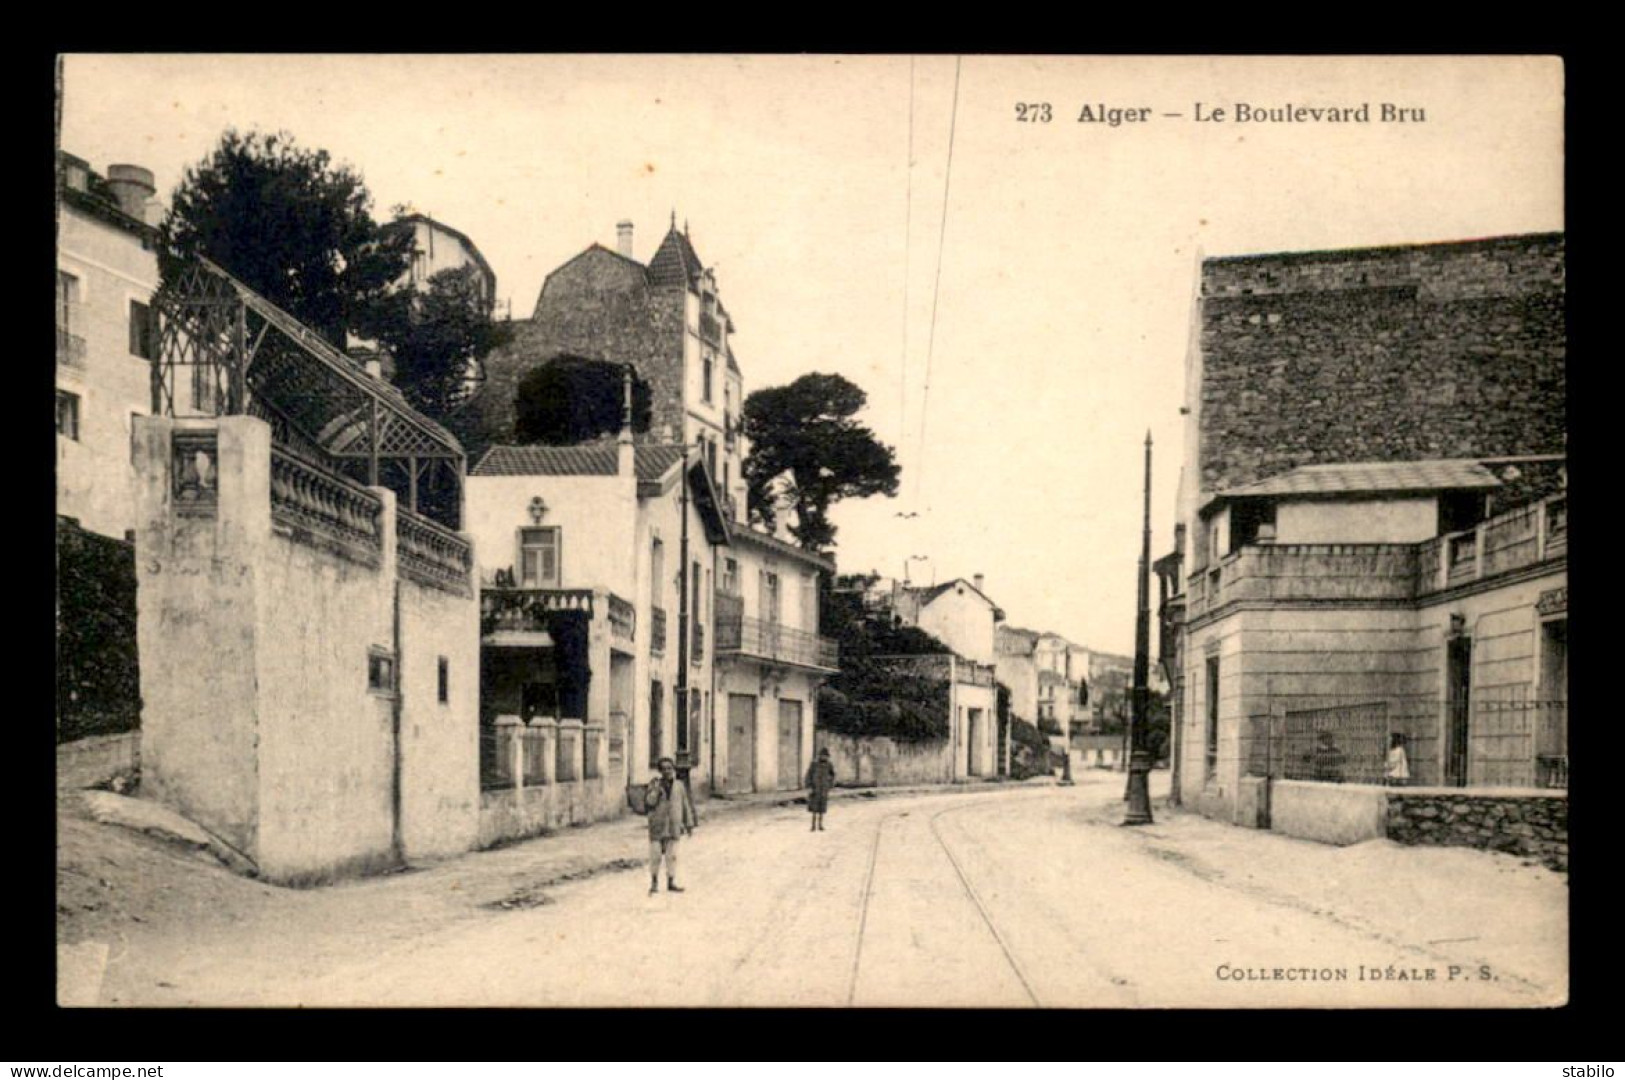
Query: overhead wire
{"type": "Point", "coordinates": [936, 286]}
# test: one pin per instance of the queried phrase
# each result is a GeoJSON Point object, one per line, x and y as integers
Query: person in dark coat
{"type": "Point", "coordinates": [820, 778]}
{"type": "Point", "coordinates": [671, 815]}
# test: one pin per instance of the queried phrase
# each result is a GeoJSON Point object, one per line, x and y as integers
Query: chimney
{"type": "Point", "coordinates": [133, 187]}
{"type": "Point", "coordinates": [977, 581]}
{"type": "Point", "coordinates": [375, 367]}
{"type": "Point", "coordinates": [623, 238]}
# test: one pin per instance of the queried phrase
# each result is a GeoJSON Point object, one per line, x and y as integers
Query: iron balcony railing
{"type": "Point", "coordinates": [70, 348]}
{"type": "Point", "coordinates": [740, 635]}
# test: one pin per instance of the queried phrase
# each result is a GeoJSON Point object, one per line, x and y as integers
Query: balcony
{"type": "Point", "coordinates": [513, 615]}
{"type": "Point", "coordinates": [1521, 538]}
{"type": "Point", "coordinates": [758, 639]}
{"type": "Point", "coordinates": [70, 349]}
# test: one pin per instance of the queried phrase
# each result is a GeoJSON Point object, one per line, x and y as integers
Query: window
{"type": "Point", "coordinates": [711, 458]}
{"type": "Point", "coordinates": [697, 612]}
{"type": "Point", "coordinates": [770, 598]}
{"type": "Point", "coordinates": [143, 331]}
{"type": "Point", "coordinates": [380, 671]}
{"type": "Point", "coordinates": [657, 570]}
{"type": "Point", "coordinates": [67, 301]}
{"type": "Point", "coordinates": [445, 680]}
{"type": "Point", "coordinates": [709, 366]}
{"type": "Point", "coordinates": [1212, 739]}
{"type": "Point", "coordinates": [67, 414]}
{"type": "Point", "coordinates": [539, 558]}
{"type": "Point", "coordinates": [730, 576]}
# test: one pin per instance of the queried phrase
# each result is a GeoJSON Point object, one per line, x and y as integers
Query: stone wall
{"type": "Point", "coordinates": [883, 762]}
{"type": "Point", "coordinates": [598, 306]}
{"type": "Point", "coordinates": [1535, 826]}
{"type": "Point", "coordinates": [1387, 354]}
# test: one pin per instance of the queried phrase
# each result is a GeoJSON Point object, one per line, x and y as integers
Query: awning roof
{"type": "Point", "coordinates": [1368, 478]}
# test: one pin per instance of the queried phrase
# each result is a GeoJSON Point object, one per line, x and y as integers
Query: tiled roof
{"type": "Point", "coordinates": [675, 263]}
{"type": "Point", "coordinates": [591, 459]}
{"type": "Point", "coordinates": [1373, 476]}
{"type": "Point", "coordinates": [772, 543]}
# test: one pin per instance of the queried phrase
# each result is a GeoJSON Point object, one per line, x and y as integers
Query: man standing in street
{"type": "Point", "coordinates": [671, 814]}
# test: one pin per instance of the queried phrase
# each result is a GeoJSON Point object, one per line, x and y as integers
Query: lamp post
{"type": "Point", "coordinates": [1139, 761]}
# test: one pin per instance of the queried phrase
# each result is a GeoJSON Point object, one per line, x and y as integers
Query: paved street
{"type": "Point", "coordinates": [1010, 898]}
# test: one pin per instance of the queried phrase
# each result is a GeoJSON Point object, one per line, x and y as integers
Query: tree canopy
{"type": "Point", "coordinates": [437, 339]}
{"type": "Point", "coordinates": [807, 430]}
{"type": "Point", "coordinates": [572, 399]}
{"type": "Point", "coordinates": [293, 226]}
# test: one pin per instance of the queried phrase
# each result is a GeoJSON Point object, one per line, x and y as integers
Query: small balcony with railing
{"type": "Point", "coordinates": [70, 342]}
{"type": "Point", "coordinates": [740, 636]}
{"type": "Point", "coordinates": [522, 615]}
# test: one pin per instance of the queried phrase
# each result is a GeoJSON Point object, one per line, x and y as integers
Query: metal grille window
{"type": "Point", "coordinates": [539, 558]}
{"type": "Point", "coordinates": [444, 680]}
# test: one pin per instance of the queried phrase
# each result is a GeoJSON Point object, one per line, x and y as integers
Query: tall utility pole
{"type": "Point", "coordinates": [1139, 759]}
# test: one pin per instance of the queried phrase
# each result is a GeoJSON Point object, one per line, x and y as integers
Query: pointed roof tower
{"type": "Point", "coordinates": [675, 262]}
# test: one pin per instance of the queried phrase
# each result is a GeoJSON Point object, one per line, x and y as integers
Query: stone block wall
{"type": "Point", "coordinates": [1530, 825]}
{"type": "Point", "coordinates": [1386, 354]}
{"type": "Point", "coordinates": [598, 306]}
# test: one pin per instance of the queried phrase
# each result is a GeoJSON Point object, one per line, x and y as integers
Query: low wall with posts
{"type": "Point", "coordinates": [885, 762]}
{"type": "Point", "coordinates": [543, 775]}
{"type": "Point", "coordinates": [1535, 826]}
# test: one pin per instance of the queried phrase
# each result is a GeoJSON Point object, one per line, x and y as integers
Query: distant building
{"type": "Point", "coordinates": [1372, 528]}
{"type": "Point", "coordinates": [666, 319]}
{"type": "Point", "coordinates": [437, 246]}
{"type": "Point", "coordinates": [106, 338]}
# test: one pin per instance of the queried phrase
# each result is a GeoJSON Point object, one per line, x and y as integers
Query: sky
{"type": "Point", "coordinates": [1014, 294]}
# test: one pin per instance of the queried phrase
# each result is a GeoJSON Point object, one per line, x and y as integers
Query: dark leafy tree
{"type": "Point", "coordinates": [438, 338]}
{"type": "Point", "coordinates": [807, 430]}
{"type": "Point", "coordinates": [571, 399]}
{"type": "Point", "coordinates": [293, 226]}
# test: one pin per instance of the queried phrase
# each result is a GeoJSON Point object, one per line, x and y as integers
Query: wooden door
{"type": "Point", "coordinates": [741, 742]}
{"type": "Point", "coordinates": [789, 745]}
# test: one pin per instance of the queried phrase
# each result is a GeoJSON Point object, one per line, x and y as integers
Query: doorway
{"type": "Point", "coordinates": [1458, 706]}
{"type": "Point", "coordinates": [789, 745]}
{"type": "Point", "coordinates": [741, 742]}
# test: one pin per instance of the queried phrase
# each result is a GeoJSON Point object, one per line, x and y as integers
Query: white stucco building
{"type": "Point", "coordinates": [106, 338]}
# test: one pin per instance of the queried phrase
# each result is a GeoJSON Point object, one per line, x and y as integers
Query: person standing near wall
{"type": "Point", "coordinates": [671, 815]}
{"type": "Point", "coordinates": [820, 779]}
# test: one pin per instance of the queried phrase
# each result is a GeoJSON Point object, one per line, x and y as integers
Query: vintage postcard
{"type": "Point", "coordinates": [786, 530]}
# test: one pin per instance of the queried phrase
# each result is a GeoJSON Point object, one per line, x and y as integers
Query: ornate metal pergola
{"type": "Point", "coordinates": [224, 350]}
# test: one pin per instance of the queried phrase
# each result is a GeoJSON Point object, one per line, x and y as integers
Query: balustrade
{"type": "Point", "coordinates": [311, 500]}
{"type": "Point", "coordinates": [433, 555]}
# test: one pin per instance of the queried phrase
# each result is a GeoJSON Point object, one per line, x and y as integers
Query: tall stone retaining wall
{"type": "Point", "coordinates": [1534, 826]}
